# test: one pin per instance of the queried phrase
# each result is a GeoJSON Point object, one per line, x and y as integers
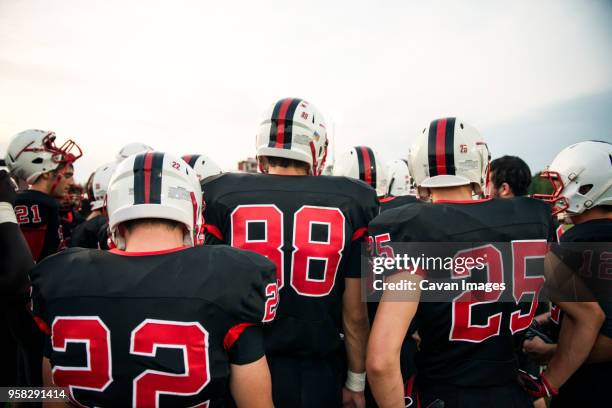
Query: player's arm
{"type": "Point", "coordinates": [602, 350]}
{"type": "Point", "coordinates": [581, 322]}
{"type": "Point", "coordinates": [16, 259]}
{"type": "Point", "coordinates": [578, 333]}
{"type": "Point", "coordinates": [393, 318]}
{"type": "Point", "coordinates": [250, 384]}
{"type": "Point", "coordinates": [48, 382]}
{"type": "Point", "coordinates": [356, 329]}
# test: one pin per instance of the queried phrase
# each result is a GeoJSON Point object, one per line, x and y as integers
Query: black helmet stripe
{"type": "Point", "coordinates": [148, 178]}
{"type": "Point", "coordinates": [367, 165]}
{"type": "Point", "coordinates": [441, 147]}
{"type": "Point", "coordinates": [281, 122]}
{"type": "Point", "coordinates": [449, 146]}
{"type": "Point", "coordinates": [192, 159]}
{"type": "Point", "coordinates": [287, 139]}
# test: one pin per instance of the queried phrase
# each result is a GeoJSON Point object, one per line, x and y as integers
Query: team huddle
{"type": "Point", "coordinates": [188, 286]}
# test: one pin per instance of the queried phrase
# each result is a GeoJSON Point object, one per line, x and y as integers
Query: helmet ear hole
{"type": "Point", "coordinates": [37, 160]}
{"type": "Point", "coordinates": [585, 188]}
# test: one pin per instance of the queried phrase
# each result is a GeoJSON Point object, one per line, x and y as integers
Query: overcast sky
{"type": "Point", "coordinates": [195, 76]}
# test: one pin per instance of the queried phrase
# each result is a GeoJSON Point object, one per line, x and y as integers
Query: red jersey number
{"type": "Point", "coordinates": [306, 249]}
{"type": "Point", "coordinates": [145, 340]}
{"type": "Point", "coordinates": [463, 329]}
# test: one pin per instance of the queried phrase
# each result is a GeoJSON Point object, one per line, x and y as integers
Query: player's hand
{"type": "Point", "coordinates": [7, 188]}
{"type": "Point", "coordinates": [537, 387]}
{"type": "Point", "coordinates": [352, 399]}
{"type": "Point", "coordinates": [538, 349]}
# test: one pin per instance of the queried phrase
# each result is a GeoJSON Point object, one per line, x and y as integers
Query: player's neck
{"type": "Point", "coordinates": [153, 239]}
{"type": "Point", "coordinates": [41, 185]}
{"type": "Point", "coordinates": [461, 193]}
{"type": "Point", "coordinates": [94, 214]}
{"type": "Point", "coordinates": [597, 213]}
{"type": "Point", "coordinates": [286, 171]}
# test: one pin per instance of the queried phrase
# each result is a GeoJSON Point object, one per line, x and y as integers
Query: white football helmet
{"type": "Point", "coordinates": [154, 185]}
{"type": "Point", "coordinates": [581, 176]}
{"type": "Point", "coordinates": [203, 165]}
{"type": "Point", "coordinates": [99, 184]}
{"type": "Point", "coordinates": [294, 129]}
{"type": "Point", "coordinates": [132, 148]}
{"type": "Point", "coordinates": [400, 182]}
{"type": "Point", "coordinates": [33, 152]}
{"type": "Point", "coordinates": [362, 163]}
{"type": "Point", "coordinates": [449, 153]}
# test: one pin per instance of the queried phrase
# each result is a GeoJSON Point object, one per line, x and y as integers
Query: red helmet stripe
{"type": "Point", "coordinates": [148, 161]}
{"type": "Point", "coordinates": [441, 147]}
{"type": "Point", "coordinates": [281, 122]}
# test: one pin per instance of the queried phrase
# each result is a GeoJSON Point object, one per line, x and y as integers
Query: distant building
{"type": "Point", "coordinates": [248, 166]}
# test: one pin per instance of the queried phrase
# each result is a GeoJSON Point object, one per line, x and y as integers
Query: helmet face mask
{"type": "Point", "coordinates": [580, 177]}
{"type": "Point", "coordinates": [33, 152]}
{"type": "Point", "coordinates": [558, 203]}
{"type": "Point", "coordinates": [294, 129]}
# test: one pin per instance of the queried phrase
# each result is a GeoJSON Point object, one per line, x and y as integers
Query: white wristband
{"type": "Point", "coordinates": [7, 214]}
{"type": "Point", "coordinates": [355, 381]}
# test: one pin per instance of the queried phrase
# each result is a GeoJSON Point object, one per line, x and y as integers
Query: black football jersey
{"type": "Point", "coordinates": [125, 326]}
{"type": "Point", "coordinates": [312, 229]}
{"type": "Point", "coordinates": [387, 203]}
{"type": "Point", "coordinates": [588, 386]}
{"type": "Point", "coordinates": [38, 217]}
{"type": "Point", "coordinates": [465, 342]}
{"type": "Point", "coordinates": [69, 219]}
{"type": "Point", "coordinates": [92, 233]}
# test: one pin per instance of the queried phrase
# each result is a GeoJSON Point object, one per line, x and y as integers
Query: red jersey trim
{"type": "Point", "coordinates": [386, 199]}
{"type": "Point", "coordinates": [44, 327]}
{"type": "Point", "coordinates": [359, 233]}
{"type": "Point", "coordinates": [234, 334]}
{"type": "Point", "coordinates": [481, 200]}
{"type": "Point", "coordinates": [214, 231]}
{"type": "Point", "coordinates": [117, 251]}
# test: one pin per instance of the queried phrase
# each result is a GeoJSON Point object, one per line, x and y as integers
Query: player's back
{"type": "Point", "coordinates": [311, 228]}
{"type": "Point", "coordinates": [390, 202]}
{"type": "Point", "coordinates": [588, 245]}
{"type": "Point", "coordinates": [148, 318]}
{"type": "Point", "coordinates": [91, 233]}
{"type": "Point", "coordinates": [468, 342]}
{"type": "Point", "coordinates": [38, 217]}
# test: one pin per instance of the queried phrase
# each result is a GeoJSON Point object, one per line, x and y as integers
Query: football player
{"type": "Point", "coordinates": [509, 176]}
{"type": "Point", "coordinates": [93, 233]}
{"type": "Point", "coordinates": [156, 321]}
{"type": "Point", "coordinates": [581, 177]}
{"type": "Point", "coordinates": [467, 354]}
{"type": "Point", "coordinates": [312, 229]}
{"type": "Point", "coordinates": [363, 163]}
{"type": "Point", "coordinates": [400, 181]}
{"type": "Point", "coordinates": [15, 263]}
{"type": "Point", "coordinates": [130, 149]}
{"type": "Point", "coordinates": [32, 155]}
{"type": "Point", "coordinates": [203, 165]}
